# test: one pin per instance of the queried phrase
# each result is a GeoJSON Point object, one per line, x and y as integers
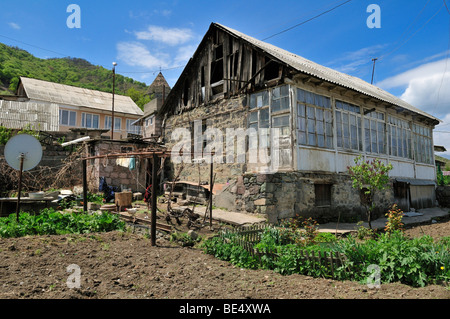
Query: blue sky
{"type": "Point", "coordinates": [412, 45]}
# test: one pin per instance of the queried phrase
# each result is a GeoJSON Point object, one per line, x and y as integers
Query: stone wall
{"type": "Point", "coordinates": [54, 158]}
{"type": "Point", "coordinates": [223, 115]}
{"type": "Point", "coordinates": [285, 194]}
{"type": "Point", "coordinates": [443, 196]}
{"type": "Point", "coordinates": [115, 171]}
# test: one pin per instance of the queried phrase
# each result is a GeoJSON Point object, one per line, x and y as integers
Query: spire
{"type": "Point", "coordinates": [159, 87]}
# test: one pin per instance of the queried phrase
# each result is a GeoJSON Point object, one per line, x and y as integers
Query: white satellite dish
{"type": "Point", "coordinates": [26, 146]}
{"type": "Point", "coordinates": [22, 152]}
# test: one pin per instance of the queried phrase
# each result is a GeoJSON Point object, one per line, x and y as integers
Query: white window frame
{"type": "Point", "coordinates": [373, 135]}
{"type": "Point", "coordinates": [133, 129]}
{"type": "Point", "coordinates": [84, 120]}
{"type": "Point", "coordinates": [349, 111]}
{"type": "Point", "coordinates": [70, 115]}
{"type": "Point", "coordinates": [108, 119]}
{"type": "Point", "coordinates": [321, 106]}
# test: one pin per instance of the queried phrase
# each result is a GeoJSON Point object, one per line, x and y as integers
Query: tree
{"type": "Point", "coordinates": [368, 177]}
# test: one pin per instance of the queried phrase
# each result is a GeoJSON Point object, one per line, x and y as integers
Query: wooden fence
{"type": "Point", "coordinates": [248, 236]}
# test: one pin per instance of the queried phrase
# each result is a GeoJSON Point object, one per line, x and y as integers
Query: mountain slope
{"type": "Point", "coordinates": [15, 62]}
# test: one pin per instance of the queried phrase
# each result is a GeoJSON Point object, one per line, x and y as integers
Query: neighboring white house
{"type": "Point", "coordinates": [69, 107]}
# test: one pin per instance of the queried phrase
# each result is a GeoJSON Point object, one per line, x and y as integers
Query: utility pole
{"type": "Point", "coordinates": [114, 87]}
{"type": "Point", "coordinates": [373, 70]}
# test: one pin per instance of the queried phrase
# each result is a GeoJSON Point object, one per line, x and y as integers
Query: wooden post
{"type": "Point", "coordinates": [22, 156]}
{"type": "Point", "coordinates": [84, 185]}
{"type": "Point", "coordinates": [210, 194]}
{"type": "Point", "coordinates": [153, 216]}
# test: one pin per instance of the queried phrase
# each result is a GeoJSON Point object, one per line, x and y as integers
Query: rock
{"type": "Point", "coordinates": [192, 234]}
{"type": "Point", "coordinates": [78, 190]}
{"type": "Point", "coordinates": [137, 196]}
{"type": "Point", "coordinates": [93, 206]}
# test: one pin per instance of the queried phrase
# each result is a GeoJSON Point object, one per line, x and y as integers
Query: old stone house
{"type": "Point", "coordinates": [321, 120]}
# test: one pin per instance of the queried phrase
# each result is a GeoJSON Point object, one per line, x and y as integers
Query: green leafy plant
{"type": "Point", "coordinates": [368, 177]}
{"type": "Point", "coordinates": [364, 232]}
{"type": "Point", "coordinates": [51, 222]}
{"type": "Point", "coordinates": [5, 135]}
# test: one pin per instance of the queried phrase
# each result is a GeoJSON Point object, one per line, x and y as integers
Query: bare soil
{"type": "Point", "coordinates": [123, 265]}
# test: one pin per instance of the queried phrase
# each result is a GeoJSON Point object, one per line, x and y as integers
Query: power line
{"type": "Point", "coordinates": [402, 44]}
{"type": "Point", "coordinates": [35, 46]}
{"type": "Point", "coordinates": [445, 3]}
{"type": "Point", "coordinates": [310, 19]}
{"type": "Point", "coordinates": [445, 69]}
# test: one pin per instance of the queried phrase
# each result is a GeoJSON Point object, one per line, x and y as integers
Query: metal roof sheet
{"type": "Point", "coordinates": [324, 73]}
{"type": "Point", "coordinates": [75, 96]}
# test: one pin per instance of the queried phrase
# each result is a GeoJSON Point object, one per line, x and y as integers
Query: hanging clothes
{"type": "Point", "coordinates": [132, 164]}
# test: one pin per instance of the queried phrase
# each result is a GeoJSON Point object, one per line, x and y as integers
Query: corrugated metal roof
{"type": "Point", "coordinates": [324, 73]}
{"type": "Point", "coordinates": [75, 96]}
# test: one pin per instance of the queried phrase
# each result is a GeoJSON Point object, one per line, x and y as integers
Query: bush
{"type": "Point", "coordinates": [414, 262]}
{"type": "Point", "coordinates": [51, 222]}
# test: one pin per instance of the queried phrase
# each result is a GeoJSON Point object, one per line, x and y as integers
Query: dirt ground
{"type": "Point", "coordinates": [124, 265]}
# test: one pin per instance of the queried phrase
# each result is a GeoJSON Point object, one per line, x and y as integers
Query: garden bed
{"type": "Point", "coordinates": [124, 265]}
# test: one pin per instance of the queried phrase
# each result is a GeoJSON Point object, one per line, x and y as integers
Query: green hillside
{"type": "Point", "coordinates": [445, 160]}
{"type": "Point", "coordinates": [15, 62]}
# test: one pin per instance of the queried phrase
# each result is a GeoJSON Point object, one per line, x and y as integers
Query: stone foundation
{"type": "Point", "coordinates": [443, 196]}
{"type": "Point", "coordinates": [284, 194]}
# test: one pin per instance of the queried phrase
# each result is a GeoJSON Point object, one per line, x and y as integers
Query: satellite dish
{"type": "Point", "coordinates": [26, 146]}
{"type": "Point", "coordinates": [22, 152]}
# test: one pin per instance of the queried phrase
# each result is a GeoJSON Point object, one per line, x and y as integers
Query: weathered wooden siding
{"type": "Point", "coordinates": [42, 116]}
{"type": "Point", "coordinates": [225, 67]}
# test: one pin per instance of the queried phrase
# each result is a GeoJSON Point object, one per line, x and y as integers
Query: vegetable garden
{"type": "Point", "coordinates": [288, 250]}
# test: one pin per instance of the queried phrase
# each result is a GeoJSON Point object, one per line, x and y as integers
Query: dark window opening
{"type": "Point", "coordinates": [272, 70]}
{"type": "Point", "coordinates": [218, 52]}
{"type": "Point", "coordinates": [323, 194]}
{"type": "Point", "coordinates": [186, 93]}
{"type": "Point", "coordinates": [253, 63]}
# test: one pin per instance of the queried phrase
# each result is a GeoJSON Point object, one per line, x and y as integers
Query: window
{"type": "Point", "coordinates": [259, 100]}
{"type": "Point", "coordinates": [400, 137]}
{"type": "Point", "coordinates": [374, 133]}
{"type": "Point", "coordinates": [423, 144]}
{"type": "Point", "coordinates": [89, 120]}
{"type": "Point", "coordinates": [348, 126]}
{"type": "Point", "coordinates": [280, 99]}
{"type": "Point", "coordinates": [117, 123]}
{"type": "Point", "coordinates": [322, 194]}
{"type": "Point", "coordinates": [261, 118]}
{"type": "Point", "coordinates": [314, 119]}
{"type": "Point", "coordinates": [133, 129]}
{"type": "Point", "coordinates": [68, 118]}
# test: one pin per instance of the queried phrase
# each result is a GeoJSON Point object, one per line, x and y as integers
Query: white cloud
{"type": "Point", "coordinates": [425, 87]}
{"type": "Point", "coordinates": [184, 54]}
{"type": "Point", "coordinates": [441, 137]}
{"type": "Point", "coordinates": [136, 54]}
{"type": "Point", "coordinates": [169, 36]}
{"type": "Point", "coordinates": [351, 62]}
{"type": "Point", "coordinates": [14, 25]}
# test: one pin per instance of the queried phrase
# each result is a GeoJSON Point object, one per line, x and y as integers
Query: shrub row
{"type": "Point", "coordinates": [415, 262]}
